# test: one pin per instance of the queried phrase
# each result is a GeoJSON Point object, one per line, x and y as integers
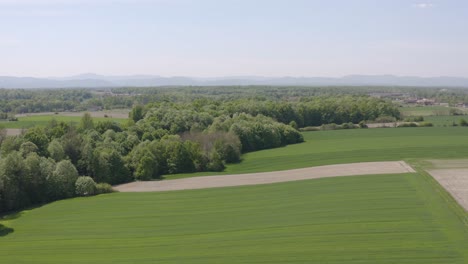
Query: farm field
{"type": "Point", "coordinates": [356, 145]}
{"type": "Point", "coordinates": [402, 218]}
{"type": "Point", "coordinates": [444, 120]}
{"type": "Point", "coordinates": [425, 110]}
{"type": "Point", "coordinates": [43, 120]}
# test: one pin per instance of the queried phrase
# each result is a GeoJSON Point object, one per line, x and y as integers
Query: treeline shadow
{"type": "Point", "coordinates": [12, 215]}
{"type": "Point", "coordinates": [5, 230]}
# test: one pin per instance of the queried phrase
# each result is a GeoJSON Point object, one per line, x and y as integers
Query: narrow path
{"type": "Point", "coordinates": [364, 168]}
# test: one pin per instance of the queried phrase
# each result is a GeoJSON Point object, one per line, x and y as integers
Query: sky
{"type": "Point", "coordinates": [215, 38]}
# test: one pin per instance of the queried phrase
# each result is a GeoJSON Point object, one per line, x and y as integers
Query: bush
{"type": "Point", "coordinates": [463, 122]}
{"type": "Point", "coordinates": [385, 119]}
{"type": "Point", "coordinates": [293, 124]}
{"type": "Point", "coordinates": [455, 112]}
{"type": "Point", "coordinates": [348, 125]}
{"type": "Point", "coordinates": [408, 125]}
{"type": "Point", "coordinates": [102, 188]}
{"type": "Point", "coordinates": [426, 124]}
{"type": "Point", "coordinates": [85, 186]}
{"type": "Point", "coordinates": [331, 126]}
{"type": "Point", "coordinates": [309, 128]}
{"type": "Point", "coordinates": [334, 126]}
{"type": "Point", "coordinates": [414, 119]}
{"type": "Point", "coordinates": [362, 124]}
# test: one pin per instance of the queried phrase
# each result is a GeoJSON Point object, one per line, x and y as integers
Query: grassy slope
{"type": "Point", "coordinates": [363, 219]}
{"type": "Point", "coordinates": [357, 145]}
{"type": "Point", "coordinates": [30, 121]}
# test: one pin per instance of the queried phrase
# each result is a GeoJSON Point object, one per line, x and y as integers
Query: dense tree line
{"type": "Point", "coordinates": [169, 130]}
{"type": "Point", "coordinates": [42, 100]}
{"type": "Point", "coordinates": [62, 160]}
{"type": "Point", "coordinates": [19, 101]}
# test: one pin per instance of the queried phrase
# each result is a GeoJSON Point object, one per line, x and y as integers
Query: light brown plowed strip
{"type": "Point", "coordinates": [364, 168]}
{"type": "Point", "coordinates": [455, 181]}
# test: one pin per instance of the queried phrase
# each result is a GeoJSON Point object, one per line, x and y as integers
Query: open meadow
{"type": "Point", "coordinates": [402, 218]}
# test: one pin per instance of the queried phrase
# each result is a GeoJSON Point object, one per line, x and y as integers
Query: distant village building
{"type": "Point", "coordinates": [425, 101]}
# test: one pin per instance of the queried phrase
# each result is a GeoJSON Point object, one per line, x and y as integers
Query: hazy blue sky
{"type": "Point", "coordinates": [229, 37]}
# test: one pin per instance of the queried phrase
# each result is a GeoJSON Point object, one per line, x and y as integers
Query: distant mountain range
{"type": "Point", "coordinates": [91, 80]}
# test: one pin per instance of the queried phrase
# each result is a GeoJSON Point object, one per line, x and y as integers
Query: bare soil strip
{"type": "Point", "coordinates": [455, 181]}
{"type": "Point", "coordinates": [364, 168]}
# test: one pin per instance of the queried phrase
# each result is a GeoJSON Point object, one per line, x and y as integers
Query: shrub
{"type": "Point", "coordinates": [85, 186]}
{"type": "Point", "coordinates": [426, 124]}
{"type": "Point", "coordinates": [408, 125]}
{"type": "Point", "coordinates": [331, 126]}
{"type": "Point", "coordinates": [455, 112]}
{"type": "Point", "coordinates": [309, 128]}
{"type": "Point", "coordinates": [293, 124]}
{"type": "Point", "coordinates": [463, 122]}
{"type": "Point", "coordinates": [102, 188]}
{"type": "Point", "coordinates": [385, 119]}
{"type": "Point", "coordinates": [362, 124]}
{"type": "Point", "coordinates": [348, 125]}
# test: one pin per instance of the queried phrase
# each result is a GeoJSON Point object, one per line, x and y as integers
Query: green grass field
{"type": "Point", "coordinates": [403, 218]}
{"type": "Point", "coordinates": [424, 110]}
{"type": "Point", "coordinates": [444, 120]}
{"type": "Point", "coordinates": [31, 121]}
{"type": "Point", "coordinates": [356, 145]}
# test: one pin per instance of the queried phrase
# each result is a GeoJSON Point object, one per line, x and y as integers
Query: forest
{"type": "Point", "coordinates": [174, 133]}
{"type": "Point", "coordinates": [19, 101]}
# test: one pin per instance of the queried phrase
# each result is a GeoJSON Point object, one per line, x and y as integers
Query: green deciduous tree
{"type": "Point", "coordinates": [37, 136]}
{"type": "Point", "coordinates": [86, 122]}
{"type": "Point", "coordinates": [61, 184]}
{"type": "Point", "coordinates": [85, 186]}
{"type": "Point", "coordinates": [55, 150]}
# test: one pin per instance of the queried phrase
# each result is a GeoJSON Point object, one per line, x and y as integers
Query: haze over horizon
{"type": "Point", "coordinates": [207, 38]}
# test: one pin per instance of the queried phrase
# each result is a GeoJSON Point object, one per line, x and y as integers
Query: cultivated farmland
{"type": "Point", "coordinates": [356, 145]}
{"type": "Point", "coordinates": [364, 219]}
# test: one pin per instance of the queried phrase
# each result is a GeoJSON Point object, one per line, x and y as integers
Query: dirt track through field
{"type": "Point", "coordinates": [364, 168]}
{"type": "Point", "coordinates": [455, 181]}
